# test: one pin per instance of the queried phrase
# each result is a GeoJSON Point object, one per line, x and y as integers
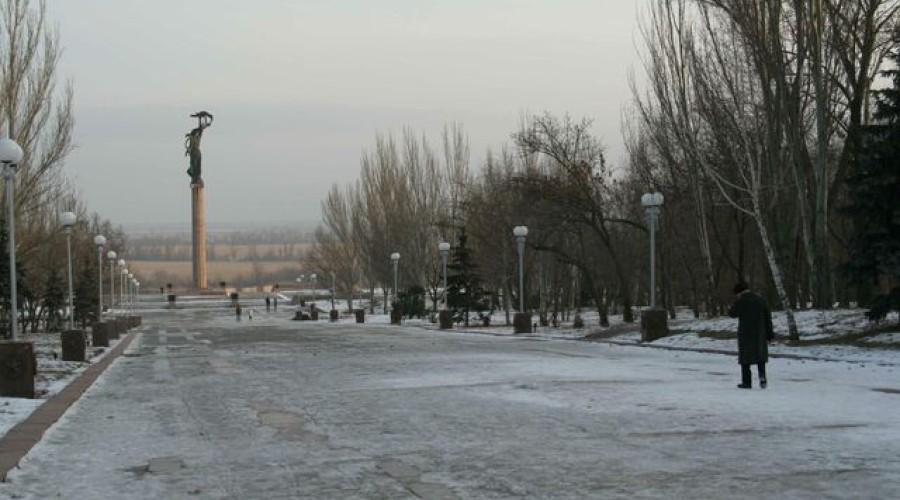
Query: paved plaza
{"type": "Point", "coordinates": [203, 406]}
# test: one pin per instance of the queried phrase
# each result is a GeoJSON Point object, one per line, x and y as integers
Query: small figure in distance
{"type": "Point", "coordinates": [754, 333]}
{"type": "Point", "coordinates": [237, 312]}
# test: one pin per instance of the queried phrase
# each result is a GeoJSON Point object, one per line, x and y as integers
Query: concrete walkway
{"type": "Point", "coordinates": [22, 437]}
{"type": "Point", "coordinates": [213, 408]}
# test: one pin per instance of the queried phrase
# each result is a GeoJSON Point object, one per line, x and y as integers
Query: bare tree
{"type": "Point", "coordinates": [34, 112]}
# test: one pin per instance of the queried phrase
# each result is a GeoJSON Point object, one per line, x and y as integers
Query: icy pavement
{"type": "Point", "coordinates": [207, 407]}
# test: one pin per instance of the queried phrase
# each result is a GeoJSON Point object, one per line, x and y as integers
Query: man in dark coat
{"type": "Point", "coordinates": [754, 333]}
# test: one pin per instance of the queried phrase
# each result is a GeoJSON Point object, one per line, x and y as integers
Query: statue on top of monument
{"type": "Point", "coordinates": [192, 144]}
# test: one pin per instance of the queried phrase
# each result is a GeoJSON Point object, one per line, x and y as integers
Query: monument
{"type": "Point", "coordinates": [198, 209]}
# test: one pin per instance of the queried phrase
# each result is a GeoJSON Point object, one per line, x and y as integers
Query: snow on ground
{"type": "Point", "coordinates": [534, 417]}
{"type": "Point", "coordinates": [53, 375]}
{"type": "Point", "coordinates": [692, 334]}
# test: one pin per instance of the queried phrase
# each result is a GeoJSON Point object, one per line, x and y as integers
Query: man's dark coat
{"type": "Point", "coordinates": [754, 328]}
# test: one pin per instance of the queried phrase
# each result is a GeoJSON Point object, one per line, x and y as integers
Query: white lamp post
{"type": "Point", "coordinates": [300, 288]}
{"type": "Point", "coordinates": [10, 155]}
{"type": "Point", "coordinates": [100, 242]}
{"type": "Point", "coordinates": [312, 279]}
{"type": "Point", "coordinates": [444, 250]}
{"type": "Point", "coordinates": [68, 219]}
{"type": "Point", "coordinates": [520, 232]}
{"type": "Point", "coordinates": [395, 259]}
{"type": "Point", "coordinates": [111, 257]}
{"type": "Point", "coordinates": [130, 283]}
{"type": "Point", "coordinates": [122, 274]}
{"type": "Point", "coordinates": [332, 290]}
{"type": "Point", "coordinates": [651, 203]}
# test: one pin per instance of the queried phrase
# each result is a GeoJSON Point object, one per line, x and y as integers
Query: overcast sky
{"type": "Point", "coordinates": [300, 88]}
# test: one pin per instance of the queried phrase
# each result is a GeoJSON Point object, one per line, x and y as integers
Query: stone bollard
{"type": "Point", "coordinates": [522, 322]}
{"type": "Point", "coordinates": [100, 334]}
{"type": "Point", "coordinates": [654, 324]}
{"type": "Point", "coordinates": [17, 367]}
{"type": "Point", "coordinates": [333, 315]}
{"type": "Point", "coordinates": [360, 315]}
{"type": "Point", "coordinates": [74, 344]}
{"type": "Point", "coordinates": [314, 314]}
{"type": "Point", "coordinates": [445, 318]}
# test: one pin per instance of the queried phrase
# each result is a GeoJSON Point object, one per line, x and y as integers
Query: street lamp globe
{"type": "Point", "coordinates": [100, 240]}
{"type": "Point", "coordinates": [67, 219]}
{"type": "Point", "coordinates": [10, 152]}
{"type": "Point", "coordinates": [111, 255]}
{"type": "Point", "coordinates": [443, 247]}
{"type": "Point", "coordinates": [520, 231]}
{"type": "Point", "coordinates": [652, 199]}
{"type": "Point", "coordinates": [122, 264]}
{"type": "Point", "coordinates": [395, 256]}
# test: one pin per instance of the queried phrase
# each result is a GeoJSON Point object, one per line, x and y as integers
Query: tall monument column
{"type": "Point", "coordinates": [198, 207]}
{"type": "Point", "coordinates": [198, 235]}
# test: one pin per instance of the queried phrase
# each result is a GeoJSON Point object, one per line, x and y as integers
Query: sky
{"type": "Point", "coordinates": [299, 90]}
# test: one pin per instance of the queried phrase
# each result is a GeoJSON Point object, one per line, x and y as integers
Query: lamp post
{"type": "Point", "coordinates": [68, 219]}
{"type": "Point", "coordinates": [654, 323]}
{"type": "Point", "coordinates": [332, 290]}
{"type": "Point", "coordinates": [312, 280]}
{"type": "Point", "coordinates": [130, 282]}
{"type": "Point", "coordinates": [522, 320]}
{"type": "Point", "coordinates": [396, 315]}
{"type": "Point", "coordinates": [651, 203]}
{"type": "Point", "coordinates": [395, 259]}
{"type": "Point", "coordinates": [122, 274]}
{"type": "Point", "coordinates": [111, 257]}
{"type": "Point", "coordinates": [10, 155]}
{"type": "Point", "coordinates": [445, 320]}
{"type": "Point", "coordinates": [100, 242]}
{"type": "Point", "coordinates": [299, 288]}
{"type": "Point", "coordinates": [520, 232]}
{"type": "Point", "coordinates": [444, 250]}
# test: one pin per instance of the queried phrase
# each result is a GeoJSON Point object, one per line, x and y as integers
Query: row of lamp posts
{"type": "Point", "coordinates": [17, 357]}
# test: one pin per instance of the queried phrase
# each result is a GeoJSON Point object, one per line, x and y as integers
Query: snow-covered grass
{"type": "Point", "coordinates": [53, 375]}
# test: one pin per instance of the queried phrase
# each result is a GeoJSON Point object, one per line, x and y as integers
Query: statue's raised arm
{"type": "Point", "coordinates": [192, 144]}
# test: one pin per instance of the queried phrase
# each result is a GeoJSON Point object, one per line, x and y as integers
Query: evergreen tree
{"type": "Point", "coordinates": [873, 189]}
{"type": "Point", "coordinates": [86, 290]}
{"type": "Point", "coordinates": [54, 300]}
{"type": "Point", "coordinates": [464, 289]}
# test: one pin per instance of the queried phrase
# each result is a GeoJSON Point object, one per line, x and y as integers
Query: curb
{"type": "Point", "coordinates": [24, 435]}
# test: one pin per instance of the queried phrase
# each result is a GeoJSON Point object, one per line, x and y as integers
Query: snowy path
{"type": "Point", "coordinates": [209, 408]}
